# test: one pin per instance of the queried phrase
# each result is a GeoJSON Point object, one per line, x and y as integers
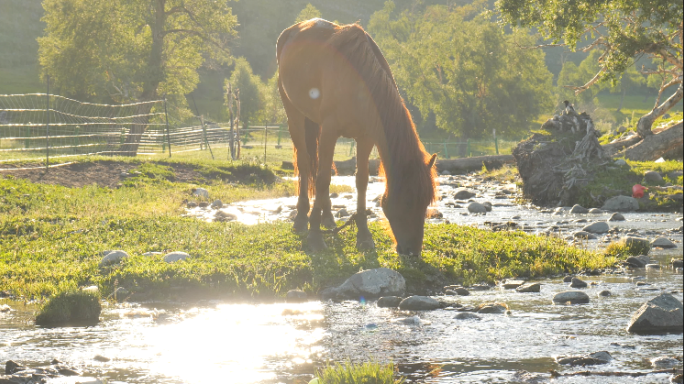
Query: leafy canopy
{"type": "Point", "coordinates": [251, 90]}
{"type": "Point", "coordinates": [468, 73]}
{"type": "Point", "coordinates": [119, 50]}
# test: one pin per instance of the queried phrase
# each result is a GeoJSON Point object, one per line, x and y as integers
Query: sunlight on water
{"type": "Point", "coordinates": [235, 342]}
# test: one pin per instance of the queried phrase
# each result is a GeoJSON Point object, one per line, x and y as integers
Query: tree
{"type": "Point", "coordinates": [273, 111]}
{"type": "Point", "coordinates": [251, 90]}
{"type": "Point", "coordinates": [126, 50]}
{"type": "Point", "coordinates": [468, 73]}
{"type": "Point", "coordinates": [309, 12]}
{"type": "Point", "coordinates": [623, 30]}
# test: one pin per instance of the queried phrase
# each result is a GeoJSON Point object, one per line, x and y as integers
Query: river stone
{"type": "Point", "coordinates": [568, 279]}
{"type": "Point", "coordinates": [597, 358]}
{"type": "Point", "coordinates": [578, 283]}
{"type": "Point", "coordinates": [617, 216]}
{"type": "Point", "coordinates": [597, 227]}
{"type": "Point", "coordinates": [584, 235]}
{"type": "Point", "coordinates": [572, 297]}
{"type": "Point", "coordinates": [637, 243]}
{"type": "Point", "coordinates": [638, 261]}
{"type": "Point", "coordinates": [664, 362]}
{"type": "Point", "coordinates": [621, 204]}
{"type": "Point", "coordinates": [578, 209]}
{"type": "Point", "coordinates": [172, 257]}
{"type": "Point", "coordinates": [342, 213]}
{"type": "Point", "coordinates": [495, 308]}
{"type": "Point", "coordinates": [467, 316]}
{"type": "Point", "coordinates": [192, 204]}
{"type": "Point", "coordinates": [605, 293]}
{"type": "Point", "coordinates": [620, 162]}
{"type": "Point", "coordinates": [663, 242]}
{"type": "Point", "coordinates": [524, 377]}
{"type": "Point", "coordinates": [464, 194]}
{"type": "Point", "coordinates": [12, 367]}
{"type": "Point", "coordinates": [369, 284]}
{"type": "Point", "coordinates": [653, 177]}
{"type": "Point", "coordinates": [677, 263]}
{"type": "Point", "coordinates": [217, 204]}
{"type": "Point", "coordinates": [295, 296]}
{"type": "Point", "coordinates": [596, 211]}
{"type": "Point", "coordinates": [652, 267]}
{"type": "Point", "coordinates": [529, 288]}
{"type": "Point", "coordinates": [475, 207]}
{"type": "Point", "coordinates": [488, 206]}
{"type": "Point", "coordinates": [113, 257]}
{"type": "Point", "coordinates": [200, 192]}
{"type": "Point", "coordinates": [389, 302]}
{"type": "Point", "coordinates": [419, 303]}
{"type": "Point", "coordinates": [659, 315]}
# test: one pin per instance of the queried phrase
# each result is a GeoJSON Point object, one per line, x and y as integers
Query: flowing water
{"type": "Point", "coordinates": [215, 342]}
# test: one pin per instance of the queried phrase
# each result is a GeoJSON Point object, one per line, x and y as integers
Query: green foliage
{"type": "Point", "coordinates": [309, 12]}
{"type": "Point", "coordinates": [252, 98]}
{"type": "Point", "coordinates": [466, 70]}
{"type": "Point", "coordinates": [273, 111]}
{"type": "Point", "coordinates": [70, 308]}
{"type": "Point", "coordinates": [124, 50]}
{"type": "Point", "coordinates": [622, 30]}
{"type": "Point", "coordinates": [366, 373]}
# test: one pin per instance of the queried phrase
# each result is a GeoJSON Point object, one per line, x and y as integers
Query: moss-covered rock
{"type": "Point", "coordinates": [70, 308]}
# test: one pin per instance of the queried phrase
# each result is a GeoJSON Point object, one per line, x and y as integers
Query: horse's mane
{"type": "Point", "coordinates": [405, 163]}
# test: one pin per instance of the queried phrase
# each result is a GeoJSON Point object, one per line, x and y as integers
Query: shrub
{"type": "Point", "coordinates": [366, 373]}
{"type": "Point", "coordinates": [70, 308]}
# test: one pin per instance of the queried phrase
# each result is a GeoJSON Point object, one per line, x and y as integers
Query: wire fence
{"type": "Point", "coordinates": [41, 127]}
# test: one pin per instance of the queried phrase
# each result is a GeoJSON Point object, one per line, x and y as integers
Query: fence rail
{"type": "Point", "coordinates": [39, 125]}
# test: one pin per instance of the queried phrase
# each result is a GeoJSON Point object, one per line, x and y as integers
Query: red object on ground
{"type": "Point", "coordinates": [638, 191]}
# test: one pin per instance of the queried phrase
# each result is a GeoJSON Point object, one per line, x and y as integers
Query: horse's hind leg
{"type": "Point", "coordinates": [364, 239]}
{"type": "Point", "coordinates": [326, 150]}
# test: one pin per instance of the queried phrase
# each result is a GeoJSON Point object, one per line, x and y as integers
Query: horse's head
{"type": "Point", "coordinates": [405, 206]}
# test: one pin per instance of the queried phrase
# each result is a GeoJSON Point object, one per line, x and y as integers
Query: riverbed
{"type": "Point", "coordinates": [268, 343]}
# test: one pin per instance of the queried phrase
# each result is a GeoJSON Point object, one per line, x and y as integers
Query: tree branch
{"type": "Point", "coordinates": [540, 46]}
{"type": "Point", "coordinates": [586, 86]}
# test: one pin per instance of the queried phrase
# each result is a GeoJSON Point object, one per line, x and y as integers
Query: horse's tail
{"type": "Point", "coordinates": [311, 133]}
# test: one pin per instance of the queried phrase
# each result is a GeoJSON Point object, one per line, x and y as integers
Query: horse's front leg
{"type": "Point", "coordinates": [326, 150]}
{"type": "Point", "coordinates": [364, 239]}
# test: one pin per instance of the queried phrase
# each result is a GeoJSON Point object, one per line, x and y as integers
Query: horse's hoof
{"type": "Point", "coordinates": [328, 222]}
{"type": "Point", "coordinates": [301, 224]}
{"type": "Point", "coordinates": [316, 242]}
{"type": "Point", "coordinates": [365, 245]}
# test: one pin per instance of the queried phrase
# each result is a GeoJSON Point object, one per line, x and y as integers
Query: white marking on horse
{"type": "Point", "coordinates": [314, 93]}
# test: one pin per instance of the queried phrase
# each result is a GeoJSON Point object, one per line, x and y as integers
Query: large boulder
{"type": "Point", "coordinates": [621, 204]}
{"type": "Point", "coordinates": [578, 209]}
{"type": "Point", "coordinates": [172, 257]}
{"type": "Point", "coordinates": [475, 207]}
{"type": "Point", "coordinates": [571, 297]}
{"type": "Point", "coordinates": [369, 284]}
{"type": "Point", "coordinates": [419, 303]}
{"type": "Point", "coordinates": [663, 242]}
{"type": "Point", "coordinates": [113, 257]}
{"type": "Point", "coordinates": [659, 315]}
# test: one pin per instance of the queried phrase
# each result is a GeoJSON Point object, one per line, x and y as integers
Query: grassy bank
{"type": "Point", "coordinates": [613, 180]}
{"type": "Point", "coordinates": [52, 238]}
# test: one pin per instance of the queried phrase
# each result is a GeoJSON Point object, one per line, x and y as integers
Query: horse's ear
{"type": "Point", "coordinates": [431, 163]}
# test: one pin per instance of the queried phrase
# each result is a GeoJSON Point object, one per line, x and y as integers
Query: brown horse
{"type": "Point", "coordinates": [335, 82]}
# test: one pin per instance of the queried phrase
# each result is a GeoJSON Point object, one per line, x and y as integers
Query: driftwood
{"type": "Point", "coordinates": [453, 166]}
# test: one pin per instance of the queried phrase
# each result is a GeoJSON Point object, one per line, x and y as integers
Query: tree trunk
{"type": "Point", "coordinates": [613, 148]}
{"type": "Point", "coordinates": [646, 121]}
{"type": "Point", "coordinates": [654, 146]}
{"type": "Point", "coordinates": [154, 76]}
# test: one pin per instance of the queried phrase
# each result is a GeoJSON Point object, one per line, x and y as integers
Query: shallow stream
{"type": "Point", "coordinates": [215, 342]}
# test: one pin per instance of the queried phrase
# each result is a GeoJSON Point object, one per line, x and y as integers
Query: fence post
{"type": "Point", "coordinates": [496, 141]}
{"type": "Point", "coordinates": [280, 132]}
{"type": "Point", "coordinates": [446, 151]}
{"type": "Point", "coordinates": [168, 135]}
{"type": "Point", "coordinates": [47, 127]}
{"type": "Point", "coordinates": [265, 141]}
{"type": "Point", "coordinates": [206, 141]}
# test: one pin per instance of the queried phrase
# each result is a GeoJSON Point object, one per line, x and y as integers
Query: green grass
{"type": "Point", "coordinates": [52, 237]}
{"type": "Point", "coordinates": [506, 174]}
{"type": "Point", "coordinates": [609, 180]}
{"type": "Point", "coordinates": [366, 373]}
{"type": "Point", "coordinates": [624, 249]}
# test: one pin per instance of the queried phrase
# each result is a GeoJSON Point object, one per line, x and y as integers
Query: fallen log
{"type": "Point", "coordinates": [656, 145]}
{"type": "Point", "coordinates": [453, 166]}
